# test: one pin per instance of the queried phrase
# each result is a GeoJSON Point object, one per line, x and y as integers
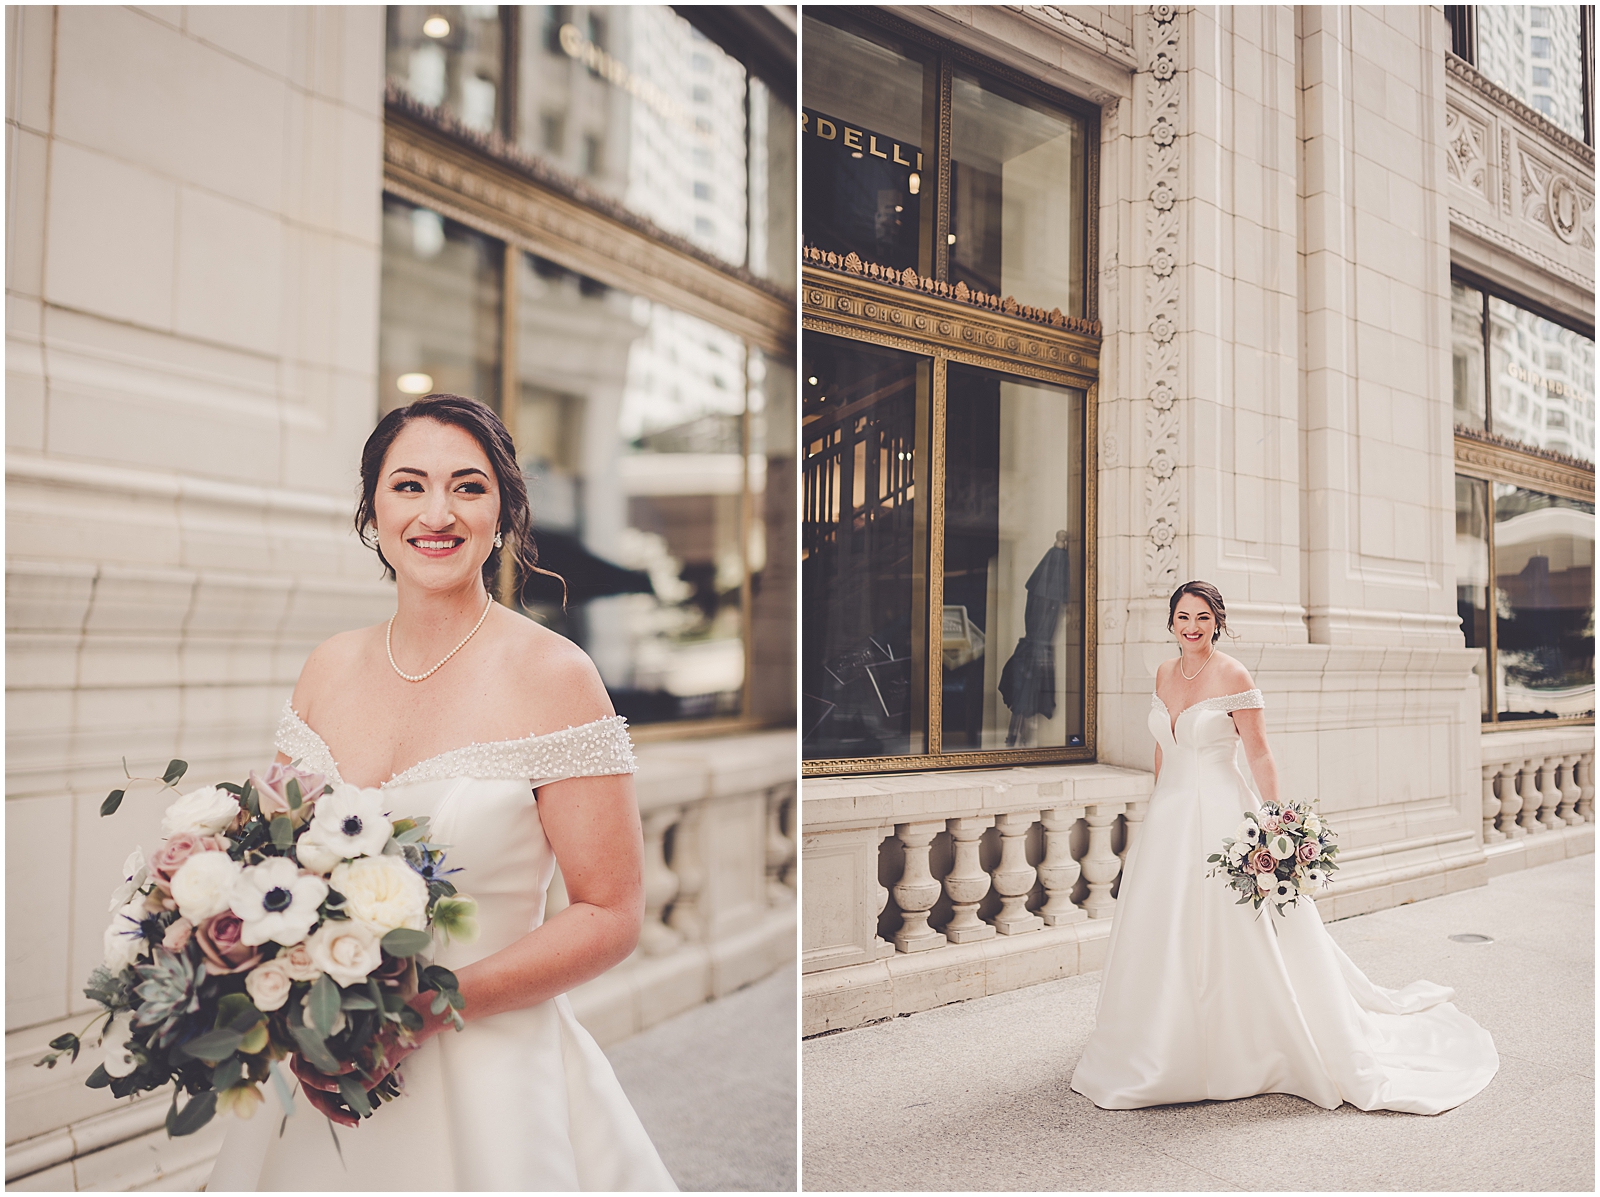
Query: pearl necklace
{"type": "Point", "coordinates": [388, 646]}
{"type": "Point", "coordinates": [1186, 677]}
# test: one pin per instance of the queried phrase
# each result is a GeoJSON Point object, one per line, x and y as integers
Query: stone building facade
{"type": "Point", "coordinates": [1292, 205]}
{"type": "Point", "coordinates": [217, 218]}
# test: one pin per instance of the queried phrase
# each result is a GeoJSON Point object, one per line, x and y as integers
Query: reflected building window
{"type": "Point", "coordinates": [1537, 53]}
{"type": "Point", "coordinates": [450, 57]}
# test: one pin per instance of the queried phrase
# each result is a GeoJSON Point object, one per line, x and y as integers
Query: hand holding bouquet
{"type": "Point", "coordinates": [282, 915]}
{"type": "Point", "coordinates": [1279, 854]}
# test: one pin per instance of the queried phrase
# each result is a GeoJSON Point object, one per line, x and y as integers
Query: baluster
{"type": "Point", "coordinates": [917, 891]}
{"type": "Point", "coordinates": [1528, 820]}
{"type": "Point", "coordinates": [780, 847]}
{"type": "Point", "coordinates": [1100, 863]}
{"type": "Point", "coordinates": [660, 883]}
{"type": "Point", "coordinates": [1549, 794]}
{"type": "Point", "coordinates": [967, 883]}
{"type": "Point", "coordinates": [689, 864]}
{"type": "Point", "coordinates": [1014, 878]}
{"type": "Point", "coordinates": [1567, 813]}
{"type": "Point", "coordinates": [1510, 800]}
{"type": "Point", "coordinates": [1586, 787]}
{"type": "Point", "coordinates": [1491, 805]}
{"type": "Point", "coordinates": [1133, 823]}
{"type": "Point", "coordinates": [1059, 871]}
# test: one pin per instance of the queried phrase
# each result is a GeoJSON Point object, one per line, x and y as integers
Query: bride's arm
{"type": "Point", "coordinates": [1252, 725]}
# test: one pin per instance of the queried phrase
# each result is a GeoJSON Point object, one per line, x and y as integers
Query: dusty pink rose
{"type": "Point", "coordinates": [177, 936]}
{"type": "Point", "coordinates": [1261, 861]}
{"type": "Point", "coordinates": [1271, 825]}
{"type": "Point", "coordinates": [1308, 851]}
{"type": "Point", "coordinates": [169, 858]}
{"type": "Point", "coordinates": [1289, 817]}
{"type": "Point", "coordinates": [220, 944]}
{"type": "Point", "coordinates": [273, 789]}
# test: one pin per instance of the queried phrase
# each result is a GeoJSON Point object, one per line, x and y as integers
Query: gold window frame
{"type": "Point", "coordinates": [431, 160]}
{"type": "Point", "coordinates": [863, 301]}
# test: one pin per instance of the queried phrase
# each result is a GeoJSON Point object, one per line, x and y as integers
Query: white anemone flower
{"type": "Point", "coordinates": [1283, 891]}
{"type": "Point", "coordinates": [1316, 877]}
{"type": "Point", "coordinates": [124, 940]}
{"type": "Point", "coordinates": [135, 872]}
{"type": "Point", "coordinates": [277, 901]}
{"type": "Point", "coordinates": [350, 822]}
{"type": "Point", "coordinates": [119, 1061]}
{"type": "Point", "coordinates": [1249, 831]}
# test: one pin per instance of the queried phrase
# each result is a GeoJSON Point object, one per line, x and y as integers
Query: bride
{"type": "Point", "coordinates": [1204, 999]}
{"type": "Point", "coordinates": [501, 732]}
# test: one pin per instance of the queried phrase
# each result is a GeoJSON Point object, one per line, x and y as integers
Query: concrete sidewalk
{"type": "Point", "coordinates": [975, 1096]}
{"type": "Point", "coordinates": [716, 1088]}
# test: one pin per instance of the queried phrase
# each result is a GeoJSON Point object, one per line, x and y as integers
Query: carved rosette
{"type": "Point", "coordinates": [1161, 306]}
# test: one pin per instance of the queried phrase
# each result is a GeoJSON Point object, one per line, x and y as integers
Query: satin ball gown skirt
{"type": "Point", "coordinates": [1204, 999]}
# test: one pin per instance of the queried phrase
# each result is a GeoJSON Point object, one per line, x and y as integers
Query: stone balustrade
{"type": "Point", "coordinates": [923, 889]}
{"type": "Point", "coordinates": [1537, 782]}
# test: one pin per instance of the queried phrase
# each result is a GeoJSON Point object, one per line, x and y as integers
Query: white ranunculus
{"type": "Point", "coordinates": [276, 901]}
{"type": "Point", "coordinates": [346, 949]}
{"type": "Point", "coordinates": [315, 856]}
{"type": "Point", "coordinates": [268, 985]}
{"type": "Point", "coordinates": [351, 822]}
{"type": "Point", "coordinates": [383, 890]}
{"type": "Point", "coordinates": [1239, 849]}
{"type": "Point", "coordinates": [203, 886]}
{"type": "Point", "coordinates": [135, 872]}
{"type": "Point", "coordinates": [1265, 881]}
{"type": "Point", "coordinates": [1281, 847]}
{"type": "Point", "coordinates": [207, 812]}
{"type": "Point", "coordinates": [118, 1061]}
{"type": "Point", "coordinates": [1313, 824]}
{"type": "Point", "coordinates": [124, 943]}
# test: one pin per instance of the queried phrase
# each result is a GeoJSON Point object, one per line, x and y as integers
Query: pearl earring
{"type": "Point", "coordinates": [498, 542]}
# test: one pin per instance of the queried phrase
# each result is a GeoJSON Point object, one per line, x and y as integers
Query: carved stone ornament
{"type": "Point", "coordinates": [1564, 206]}
{"type": "Point", "coordinates": [1160, 86]}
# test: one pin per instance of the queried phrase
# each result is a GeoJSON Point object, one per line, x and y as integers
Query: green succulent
{"type": "Point", "coordinates": [169, 991]}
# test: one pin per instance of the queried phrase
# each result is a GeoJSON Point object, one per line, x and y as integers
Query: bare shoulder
{"type": "Point", "coordinates": [335, 658]}
{"type": "Point", "coordinates": [557, 686]}
{"type": "Point", "coordinates": [1235, 675]}
{"type": "Point", "coordinates": [1164, 672]}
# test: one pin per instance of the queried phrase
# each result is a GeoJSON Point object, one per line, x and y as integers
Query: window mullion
{"type": "Point", "coordinates": [933, 665]}
{"type": "Point", "coordinates": [1492, 601]}
{"type": "Point", "coordinates": [941, 232]}
{"type": "Point", "coordinates": [1488, 379]}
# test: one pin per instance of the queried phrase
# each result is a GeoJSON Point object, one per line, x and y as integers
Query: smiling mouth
{"type": "Point", "coordinates": [434, 545]}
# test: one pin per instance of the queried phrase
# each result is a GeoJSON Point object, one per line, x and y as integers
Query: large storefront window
{"type": "Point", "coordinates": [946, 553]}
{"type": "Point", "coordinates": [1536, 52]}
{"type": "Point", "coordinates": [631, 100]}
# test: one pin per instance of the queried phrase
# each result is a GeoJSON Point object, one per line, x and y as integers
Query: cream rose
{"type": "Point", "coordinates": [297, 962]}
{"type": "Point", "coordinates": [268, 985]}
{"type": "Point", "coordinates": [346, 949]}
{"type": "Point", "coordinates": [204, 885]}
{"type": "Point", "coordinates": [205, 812]}
{"type": "Point", "coordinates": [384, 891]}
{"type": "Point", "coordinates": [315, 857]}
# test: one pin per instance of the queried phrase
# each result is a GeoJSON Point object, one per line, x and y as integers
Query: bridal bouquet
{"type": "Point", "coordinates": [281, 915]}
{"type": "Point", "coordinates": [1279, 854]}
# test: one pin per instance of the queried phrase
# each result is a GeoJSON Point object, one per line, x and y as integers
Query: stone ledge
{"type": "Point", "coordinates": [1526, 852]}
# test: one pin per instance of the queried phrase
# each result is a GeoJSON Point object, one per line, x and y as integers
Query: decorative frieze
{"type": "Point", "coordinates": [1484, 454]}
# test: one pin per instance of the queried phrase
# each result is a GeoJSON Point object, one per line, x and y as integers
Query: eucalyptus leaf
{"type": "Point", "coordinates": [440, 1001]}
{"type": "Point", "coordinates": [237, 1012]}
{"type": "Point", "coordinates": [282, 831]}
{"type": "Point", "coordinates": [411, 836]}
{"type": "Point", "coordinates": [228, 1073]}
{"type": "Point", "coordinates": [212, 1046]}
{"type": "Point", "coordinates": [99, 1078]}
{"type": "Point", "coordinates": [356, 1001]}
{"type": "Point", "coordinates": [113, 800]}
{"type": "Point", "coordinates": [175, 771]}
{"type": "Point", "coordinates": [440, 977]}
{"type": "Point", "coordinates": [249, 801]}
{"type": "Point", "coordinates": [315, 1050]}
{"type": "Point", "coordinates": [199, 1111]}
{"type": "Point", "coordinates": [355, 1096]}
{"type": "Point", "coordinates": [292, 792]}
{"type": "Point", "coordinates": [322, 1004]}
{"type": "Point", "coordinates": [403, 941]}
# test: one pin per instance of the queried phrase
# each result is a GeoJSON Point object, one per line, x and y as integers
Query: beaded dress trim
{"type": "Point", "coordinates": [598, 749]}
{"type": "Point", "coordinates": [1243, 701]}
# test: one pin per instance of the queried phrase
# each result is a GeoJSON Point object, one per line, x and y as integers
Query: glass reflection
{"type": "Point", "coordinates": [449, 57]}
{"type": "Point", "coordinates": [869, 130]}
{"type": "Point", "coordinates": [629, 424]}
{"type": "Point", "coordinates": [772, 186]}
{"type": "Point", "coordinates": [1544, 604]}
{"type": "Point", "coordinates": [1013, 564]}
{"type": "Point", "coordinates": [1543, 380]}
{"type": "Point", "coordinates": [1536, 53]}
{"type": "Point", "coordinates": [1016, 174]}
{"type": "Point", "coordinates": [1466, 354]}
{"type": "Point", "coordinates": [1472, 575]}
{"type": "Point", "coordinates": [643, 107]}
{"type": "Point", "coordinates": [860, 549]}
{"type": "Point", "coordinates": [439, 321]}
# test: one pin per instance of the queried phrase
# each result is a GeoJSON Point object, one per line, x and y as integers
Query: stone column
{"type": "Point", "coordinates": [660, 883]}
{"type": "Point", "coordinates": [780, 847]}
{"type": "Point", "coordinates": [1059, 871]}
{"type": "Point", "coordinates": [689, 864]}
{"type": "Point", "coordinates": [1100, 863]}
{"type": "Point", "coordinates": [1510, 800]}
{"type": "Point", "coordinates": [1491, 805]}
{"type": "Point", "coordinates": [1528, 820]}
{"type": "Point", "coordinates": [1549, 794]}
{"type": "Point", "coordinates": [1014, 878]}
{"type": "Point", "coordinates": [1586, 787]}
{"type": "Point", "coordinates": [917, 890]}
{"type": "Point", "coordinates": [967, 883]}
{"type": "Point", "coordinates": [1567, 813]}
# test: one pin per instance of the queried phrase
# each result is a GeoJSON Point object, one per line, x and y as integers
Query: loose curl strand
{"type": "Point", "coordinates": [516, 520]}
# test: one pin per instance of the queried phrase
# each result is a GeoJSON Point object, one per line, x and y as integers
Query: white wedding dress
{"type": "Point", "coordinates": [523, 1100]}
{"type": "Point", "coordinates": [1204, 999]}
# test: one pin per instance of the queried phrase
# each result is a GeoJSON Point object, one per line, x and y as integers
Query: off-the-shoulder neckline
{"type": "Point", "coordinates": [1172, 728]}
{"type": "Point", "coordinates": [399, 778]}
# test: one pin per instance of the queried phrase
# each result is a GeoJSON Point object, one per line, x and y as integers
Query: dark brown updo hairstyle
{"type": "Point", "coordinates": [480, 420]}
{"type": "Point", "coordinates": [1212, 598]}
